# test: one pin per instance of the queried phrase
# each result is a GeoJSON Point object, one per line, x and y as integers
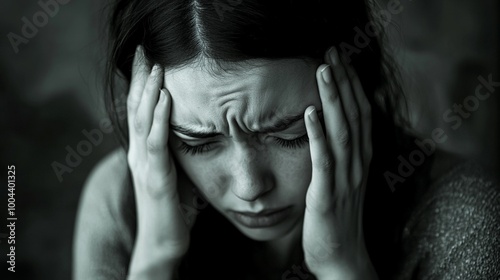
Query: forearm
{"type": "Point", "coordinates": [152, 264]}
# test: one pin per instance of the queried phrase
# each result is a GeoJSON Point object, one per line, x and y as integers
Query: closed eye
{"type": "Point", "coordinates": [292, 143]}
{"type": "Point", "coordinates": [193, 150]}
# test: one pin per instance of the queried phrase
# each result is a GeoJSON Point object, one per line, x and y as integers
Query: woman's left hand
{"type": "Point", "coordinates": [333, 238]}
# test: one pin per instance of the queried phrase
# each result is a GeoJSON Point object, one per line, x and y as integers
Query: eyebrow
{"type": "Point", "coordinates": [279, 125]}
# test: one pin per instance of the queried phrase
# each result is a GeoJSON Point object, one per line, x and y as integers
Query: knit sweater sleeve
{"type": "Point", "coordinates": [454, 232]}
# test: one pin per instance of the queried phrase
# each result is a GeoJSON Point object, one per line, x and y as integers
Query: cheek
{"type": "Point", "coordinates": [292, 171]}
{"type": "Point", "coordinates": [201, 173]}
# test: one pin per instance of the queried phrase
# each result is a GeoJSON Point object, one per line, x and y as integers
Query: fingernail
{"type": "Point", "coordinates": [139, 52]}
{"type": "Point", "coordinates": [326, 73]}
{"type": "Point", "coordinates": [334, 55]}
{"type": "Point", "coordinates": [137, 56]}
{"type": "Point", "coordinates": [313, 116]}
{"type": "Point", "coordinates": [155, 69]}
{"type": "Point", "coordinates": [330, 49]}
{"type": "Point", "coordinates": [163, 95]}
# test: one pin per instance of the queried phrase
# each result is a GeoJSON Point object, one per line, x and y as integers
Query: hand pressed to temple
{"type": "Point", "coordinates": [333, 238]}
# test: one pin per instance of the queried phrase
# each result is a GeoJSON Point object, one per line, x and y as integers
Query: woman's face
{"type": "Point", "coordinates": [241, 138]}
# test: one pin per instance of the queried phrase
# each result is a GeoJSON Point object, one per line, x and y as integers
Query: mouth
{"type": "Point", "coordinates": [265, 218]}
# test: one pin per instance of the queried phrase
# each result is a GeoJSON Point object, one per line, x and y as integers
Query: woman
{"type": "Point", "coordinates": [262, 143]}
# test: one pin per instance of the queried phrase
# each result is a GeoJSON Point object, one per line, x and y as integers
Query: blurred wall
{"type": "Point", "coordinates": [49, 94]}
{"type": "Point", "coordinates": [446, 49]}
{"type": "Point", "coordinates": [50, 100]}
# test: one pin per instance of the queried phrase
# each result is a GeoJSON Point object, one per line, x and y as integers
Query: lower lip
{"type": "Point", "coordinates": [262, 221]}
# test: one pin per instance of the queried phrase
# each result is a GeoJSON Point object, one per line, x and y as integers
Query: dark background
{"type": "Point", "coordinates": [50, 92]}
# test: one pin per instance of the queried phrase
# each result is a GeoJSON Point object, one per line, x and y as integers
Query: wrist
{"type": "Point", "coordinates": [153, 268]}
{"type": "Point", "coordinates": [158, 246]}
{"type": "Point", "coordinates": [345, 276]}
{"type": "Point", "coordinates": [364, 271]}
{"type": "Point", "coordinates": [151, 261]}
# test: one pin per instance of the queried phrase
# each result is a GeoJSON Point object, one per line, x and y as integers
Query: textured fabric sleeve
{"type": "Point", "coordinates": [454, 232]}
{"type": "Point", "coordinates": [103, 237]}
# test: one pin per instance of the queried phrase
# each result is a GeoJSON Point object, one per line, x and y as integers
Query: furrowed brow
{"type": "Point", "coordinates": [284, 123]}
{"type": "Point", "coordinates": [281, 124]}
{"type": "Point", "coordinates": [278, 126]}
{"type": "Point", "coordinates": [194, 133]}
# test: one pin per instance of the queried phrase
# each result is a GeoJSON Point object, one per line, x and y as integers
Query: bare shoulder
{"type": "Point", "coordinates": [107, 194]}
{"type": "Point", "coordinates": [104, 226]}
{"type": "Point", "coordinates": [106, 188]}
{"type": "Point", "coordinates": [110, 171]}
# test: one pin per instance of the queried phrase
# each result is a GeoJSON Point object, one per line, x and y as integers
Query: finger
{"type": "Point", "coordinates": [351, 109]}
{"type": "Point", "coordinates": [320, 189]}
{"type": "Point", "coordinates": [140, 72]}
{"type": "Point", "coordinates": [159, 198]}
{"type": "Point", "coordinates": [157, 142]}
{"type": "Point", "coordinates": [365, 116]}
{"type": "Point", "coordinates": [144, 117]}
{"type": "Point", "coordinates": [336, 125]}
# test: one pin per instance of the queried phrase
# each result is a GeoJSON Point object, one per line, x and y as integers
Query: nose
{"type": "Point", "coordinates": [251, 178]}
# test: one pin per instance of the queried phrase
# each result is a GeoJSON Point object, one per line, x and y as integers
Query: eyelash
{"type": "Point", "coordinates": [288, 144]}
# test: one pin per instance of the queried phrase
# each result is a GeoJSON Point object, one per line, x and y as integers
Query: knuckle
{"type": "Point", "coordinates": [153, 180]}
{"type": "Point", "coordinates": [343, 138]}
{"type": "Point", "coordinates": [139, 125]}
{"type": "Point", "coordinates": [134, 164]}
{"type": "Point", "coordinates": [158, 183]}
{"type": "Point", "coordinates": [316, 203]}
{"type": "Point", "coordinates": [316, 135]}
{"type": "Point", "coordinates": [341, 78]}
{"type": "Point", "coordinates": [326, 164]}
{"type": "Point", "coordinates": [353, 115]}
{"type": "Point", "coordinates": [332, 96]}
{"type": "Point", "coordinates": [131, 160]}
{"type": "Point", "coordinates": [131, 104]}
{"type": "Point", "coordinates": [351, 73]}
{"type": "Point", "coordinates": [154, 186]}
{"type": "Point", "coordinates": [132, 96]}
{"type": "Point", "coordinates": [155, 146]}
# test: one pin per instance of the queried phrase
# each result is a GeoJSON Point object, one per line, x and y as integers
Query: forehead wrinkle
{"type": "Point", "coordinates": [266, 107]}
{"type": "Point", "coordinates": [251, 98]}
{"type": "Point", "coordinates": [243, 102]}
{"type": "Point", "coordinates": [233, 107]}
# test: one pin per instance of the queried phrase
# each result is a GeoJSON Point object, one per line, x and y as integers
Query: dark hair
{"type": "Point", "coordinates": [175, 33]}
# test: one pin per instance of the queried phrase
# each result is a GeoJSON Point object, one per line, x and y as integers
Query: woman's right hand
{"type": "Point", "coordinates": [162, 233]}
